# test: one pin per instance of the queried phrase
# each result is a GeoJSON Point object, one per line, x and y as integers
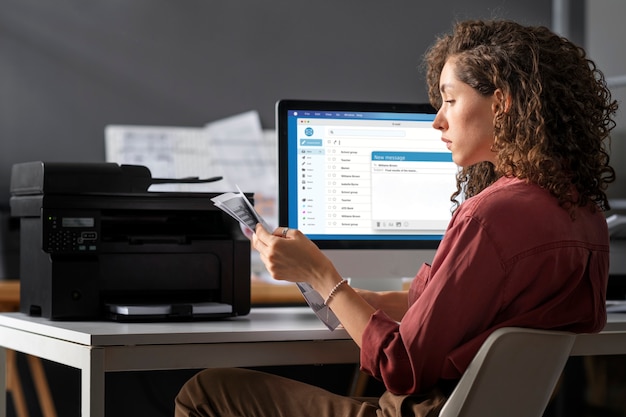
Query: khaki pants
{"type": "Point", "coordinates": [233, 392]}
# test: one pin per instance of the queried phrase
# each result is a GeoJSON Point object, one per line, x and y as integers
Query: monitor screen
{"type": "Point", "coordinates": [369, 183]}
{"type": "Point", "coordinates": [363, 175]}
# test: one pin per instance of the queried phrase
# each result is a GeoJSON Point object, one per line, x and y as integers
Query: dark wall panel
{"type": "Point", "coordinates": [70, 67]}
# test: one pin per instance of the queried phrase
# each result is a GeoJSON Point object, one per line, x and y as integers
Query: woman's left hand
{"type": "Point", "coordinates": [289, 255]}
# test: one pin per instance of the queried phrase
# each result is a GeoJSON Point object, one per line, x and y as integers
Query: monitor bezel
{"type": "Point", "coordinates": [282, 106]}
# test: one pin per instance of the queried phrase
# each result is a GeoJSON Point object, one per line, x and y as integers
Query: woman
{"type": "Point", "coordinates": [525, 115]}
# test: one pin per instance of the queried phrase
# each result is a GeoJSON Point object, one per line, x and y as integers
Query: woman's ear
{"type": "Point", "coordinates": [501, 103]}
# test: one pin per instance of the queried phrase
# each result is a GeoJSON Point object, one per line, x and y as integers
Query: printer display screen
{"type": "Point", "coordinates": [78, 222]}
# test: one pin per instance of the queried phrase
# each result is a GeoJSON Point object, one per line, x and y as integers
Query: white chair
{"type": "Point", "coordinates": [513, 374]}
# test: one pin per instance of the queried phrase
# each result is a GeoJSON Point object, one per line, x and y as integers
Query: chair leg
{"type": "Point", "coordinates": [41, 386]}
{"type": "Point", "coordinates": [14, 385]}
{"type": "Point", "coordinates": [359, 383]}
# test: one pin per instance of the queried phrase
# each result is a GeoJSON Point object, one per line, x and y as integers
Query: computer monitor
{"type": "Point", "coordinates": [369, 183]}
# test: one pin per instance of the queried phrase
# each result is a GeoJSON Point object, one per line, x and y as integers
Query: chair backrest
{"type": "Point", "coordinates": [513, 374]}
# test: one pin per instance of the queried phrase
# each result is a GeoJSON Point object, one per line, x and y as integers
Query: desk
{"type": "Point", "coordinates": [10, 301]}
{"type": "Point", "coordinates": [265, 337]}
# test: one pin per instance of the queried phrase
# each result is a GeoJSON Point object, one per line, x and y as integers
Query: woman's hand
{"type": "Point", "coordinates": [289, 255]}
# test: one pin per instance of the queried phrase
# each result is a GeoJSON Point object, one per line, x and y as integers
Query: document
{"type": "Point", "coordinates": [240, 208]}
{"type": "Point", "coordinates": [235, 148]}
{"type": "Point", "coordinates": [316, 302]}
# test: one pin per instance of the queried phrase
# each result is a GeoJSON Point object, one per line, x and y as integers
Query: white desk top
{"type": "Point", "coordinates": [265, 337]}
{"type": "Point", "coordinates": [261, 325]}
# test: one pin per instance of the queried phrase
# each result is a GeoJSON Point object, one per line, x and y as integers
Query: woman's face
{"type": "Point", "coordinates": [465, 119]}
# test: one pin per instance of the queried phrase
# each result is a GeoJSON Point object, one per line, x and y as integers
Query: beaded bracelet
{"type": "Point", "coordinates": [332, 292]}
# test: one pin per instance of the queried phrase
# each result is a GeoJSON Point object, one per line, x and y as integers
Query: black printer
{"type": "Point", "coordinates": [95, 243]}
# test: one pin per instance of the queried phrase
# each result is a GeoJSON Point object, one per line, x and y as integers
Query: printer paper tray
{"type": "Point", "coordinates": [164, 312]}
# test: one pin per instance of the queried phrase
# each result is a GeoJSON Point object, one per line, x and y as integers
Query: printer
{"type": "Point", "coordinates": [96, 244]}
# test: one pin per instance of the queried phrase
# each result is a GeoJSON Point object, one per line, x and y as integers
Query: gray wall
{"type": "Point", "coordinates": [605, 36]}
{"type": "Point", "coordinates": [70, 67]}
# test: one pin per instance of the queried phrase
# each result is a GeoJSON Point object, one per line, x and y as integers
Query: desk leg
{"type": "Point", "coordinates": [3, 382]}
{"type": "Point", "coordinates": [92, 385]}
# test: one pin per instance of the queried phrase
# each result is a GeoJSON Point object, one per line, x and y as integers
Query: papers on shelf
{"type": "Point", "coordinates": [235, 148]}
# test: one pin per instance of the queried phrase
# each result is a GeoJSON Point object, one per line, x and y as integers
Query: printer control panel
{"type": "Point", "coordinates": [70, 232]}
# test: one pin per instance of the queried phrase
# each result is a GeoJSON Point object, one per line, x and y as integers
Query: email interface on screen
{"type": "Point", "coordinates": [368, 175]}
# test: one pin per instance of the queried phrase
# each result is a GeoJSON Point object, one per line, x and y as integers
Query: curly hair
{"type": "Point", "coordinates": [554, 131]}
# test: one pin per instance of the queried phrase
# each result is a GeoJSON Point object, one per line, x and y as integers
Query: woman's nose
{"type": "Point", "coordinates": [439, 121]}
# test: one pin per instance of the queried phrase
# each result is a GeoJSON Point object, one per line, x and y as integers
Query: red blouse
{"type": "Point", "coordinates": [510, 257]}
